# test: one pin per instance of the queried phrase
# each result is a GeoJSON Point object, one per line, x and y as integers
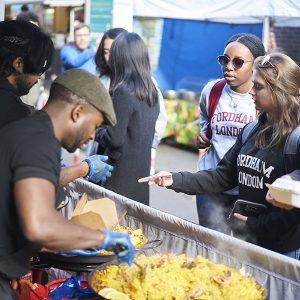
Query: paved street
{"type": "Point", "coordinates": [174, 159]}
{"type": "Point", "coordinates": [168, 158]}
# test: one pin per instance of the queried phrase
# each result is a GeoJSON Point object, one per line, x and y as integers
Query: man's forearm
{"type": "Point", "coordinates": [56, 233]}
{"type": "Point", "coordinates": [68, 174]}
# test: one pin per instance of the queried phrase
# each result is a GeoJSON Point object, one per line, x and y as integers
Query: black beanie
{"type": "Point", "coordinates": [251, 41]}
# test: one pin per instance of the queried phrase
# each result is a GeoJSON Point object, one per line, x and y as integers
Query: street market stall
{"type": "Point", "coordinates": [183, 124]}
{"type": "Point", "coordinates": [280, 275]}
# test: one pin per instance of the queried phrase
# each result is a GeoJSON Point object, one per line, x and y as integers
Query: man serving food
{"type": "Point", "coordinates": [30, 172]}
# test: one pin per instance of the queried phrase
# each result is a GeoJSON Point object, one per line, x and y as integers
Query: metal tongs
{"type": "Point", "coordinates": [150, 245]}
{"type": "Point", "coordinates": [116, 249]}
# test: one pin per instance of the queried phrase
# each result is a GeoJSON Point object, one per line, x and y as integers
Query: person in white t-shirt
{"type": "Point", "coordinates": [234, 110]}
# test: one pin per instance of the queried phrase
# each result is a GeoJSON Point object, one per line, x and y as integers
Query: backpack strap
{"type": "Point", "coordinates": [290, 150]}
{"type": "Point", "coordinates": [292, 144]}
{"type": "Point", "coordinates": [213, 100]}
{"type": "Point", "coordinates": [248, 130]}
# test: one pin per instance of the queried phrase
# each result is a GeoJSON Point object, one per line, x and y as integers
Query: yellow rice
{"type": "Point", "coordinates": [172, 277]}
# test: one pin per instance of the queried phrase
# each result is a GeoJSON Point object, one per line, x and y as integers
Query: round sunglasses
{"type": "Point", "coordinates": [237, 62]}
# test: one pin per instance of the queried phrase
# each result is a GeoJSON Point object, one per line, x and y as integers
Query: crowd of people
{"type": "Point", "coordinates": [106, 97]}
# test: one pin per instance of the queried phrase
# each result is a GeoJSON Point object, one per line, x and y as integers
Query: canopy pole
{"type": "Point", "coordinates": [2, 9]}
{"type": "Point", "coordinates": [72, 18]}
{"type": "Point", "coordinates": [266, 32]}
{"type": "Point", "coordinates": [87, 12]}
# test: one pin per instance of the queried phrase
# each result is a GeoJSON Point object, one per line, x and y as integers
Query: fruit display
{"type": "Point", "coordinates": [183, 121]}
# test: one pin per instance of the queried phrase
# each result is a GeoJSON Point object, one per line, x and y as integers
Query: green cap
{"type": "Point", "coordinates": [90, 88]}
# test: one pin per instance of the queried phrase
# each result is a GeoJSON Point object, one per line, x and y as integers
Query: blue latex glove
{"type": "Point", "coordinates": [117, 242]}
{"type": "Point", "coordinates": [98, 169]}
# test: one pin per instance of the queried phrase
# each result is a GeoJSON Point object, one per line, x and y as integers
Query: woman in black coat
{"type": "Point", "coordinates": [135, 99]}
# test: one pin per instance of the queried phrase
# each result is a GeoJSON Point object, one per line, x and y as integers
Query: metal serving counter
{"type": "Point", "coordinates": [279, 274]}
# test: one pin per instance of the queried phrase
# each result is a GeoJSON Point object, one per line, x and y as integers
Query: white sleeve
{"type": "Point", "coordinates": [161, 121]}
{"type": "Point", "coordinates": [106, 81]}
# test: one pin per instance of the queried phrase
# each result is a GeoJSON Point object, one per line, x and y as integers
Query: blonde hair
{"type": "Point", "coordinates": [282, 76]}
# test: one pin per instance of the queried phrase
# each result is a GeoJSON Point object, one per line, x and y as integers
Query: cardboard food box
{"type": "Point", "coordinates": [285, 191]}
{"type": "Point", "coordinates": [97, 214]}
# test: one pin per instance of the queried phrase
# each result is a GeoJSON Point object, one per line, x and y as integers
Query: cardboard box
{"type": "Point", "coordinates": [285, 191]}
{"type": "Point", "coordinates": [97, 214]}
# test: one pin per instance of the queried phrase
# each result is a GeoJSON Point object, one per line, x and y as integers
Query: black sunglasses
{"type": "Point", "coordinates": [237, 62]}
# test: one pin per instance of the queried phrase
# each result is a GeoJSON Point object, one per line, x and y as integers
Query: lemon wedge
{"type": "Point", "coordinates": [104, 292]}
{"type": "Point", "coordinates": [113, 294]}
{"type": "Point", "coordinates": [117, 296]}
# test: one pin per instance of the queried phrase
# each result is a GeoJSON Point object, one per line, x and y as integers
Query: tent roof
{"type": "Point", "coordinates": [216, 9]}
{"type": "Point", "coordinates": [10, 2]}
{"type": "Point", "coordinates": [49, 2]}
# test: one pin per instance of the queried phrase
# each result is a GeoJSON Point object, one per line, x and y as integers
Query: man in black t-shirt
{"type": "Point", "coordinates": [30, 175]}
{"type": "Point", "coordinates": [25, 54]}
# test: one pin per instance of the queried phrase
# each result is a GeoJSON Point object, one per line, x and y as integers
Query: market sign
{"type": "Point", "coordinates": [101, 15]}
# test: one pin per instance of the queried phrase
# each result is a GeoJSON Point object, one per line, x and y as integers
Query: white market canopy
{"type": "Point", "coordinates": [286, 12]}
{"type": "Point", "coordinates": [10, 2]}
{"type": "Point", "coordinates": [229, 11]}
{"type": "Point", "coordinates": [48, 2]}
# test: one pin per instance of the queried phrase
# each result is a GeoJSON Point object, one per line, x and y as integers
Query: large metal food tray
{"type": "Point", "coordinates": [279, 274]}
{"type": "Point", "coordinates": [74, 263]}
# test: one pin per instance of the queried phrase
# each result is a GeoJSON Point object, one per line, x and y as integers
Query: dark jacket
{"type": "Point", "coordinates": [128, 144]}
{"type": "Point", "coordinates": [12, 107]}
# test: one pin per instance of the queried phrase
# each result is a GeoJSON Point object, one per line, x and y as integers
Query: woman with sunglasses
{"type": "Point", "coordinates": [259, 158]}
{"type": "Point", "coordinates": [235, 108]}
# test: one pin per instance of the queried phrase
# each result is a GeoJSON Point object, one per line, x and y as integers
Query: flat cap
{"type": "Point", "coordinates": [90, 88]}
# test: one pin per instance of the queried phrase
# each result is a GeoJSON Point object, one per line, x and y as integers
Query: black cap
{"type": "Point", "coordinates": [16, 35]}
{"type": "Point", "coordinates": [24, 39]}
